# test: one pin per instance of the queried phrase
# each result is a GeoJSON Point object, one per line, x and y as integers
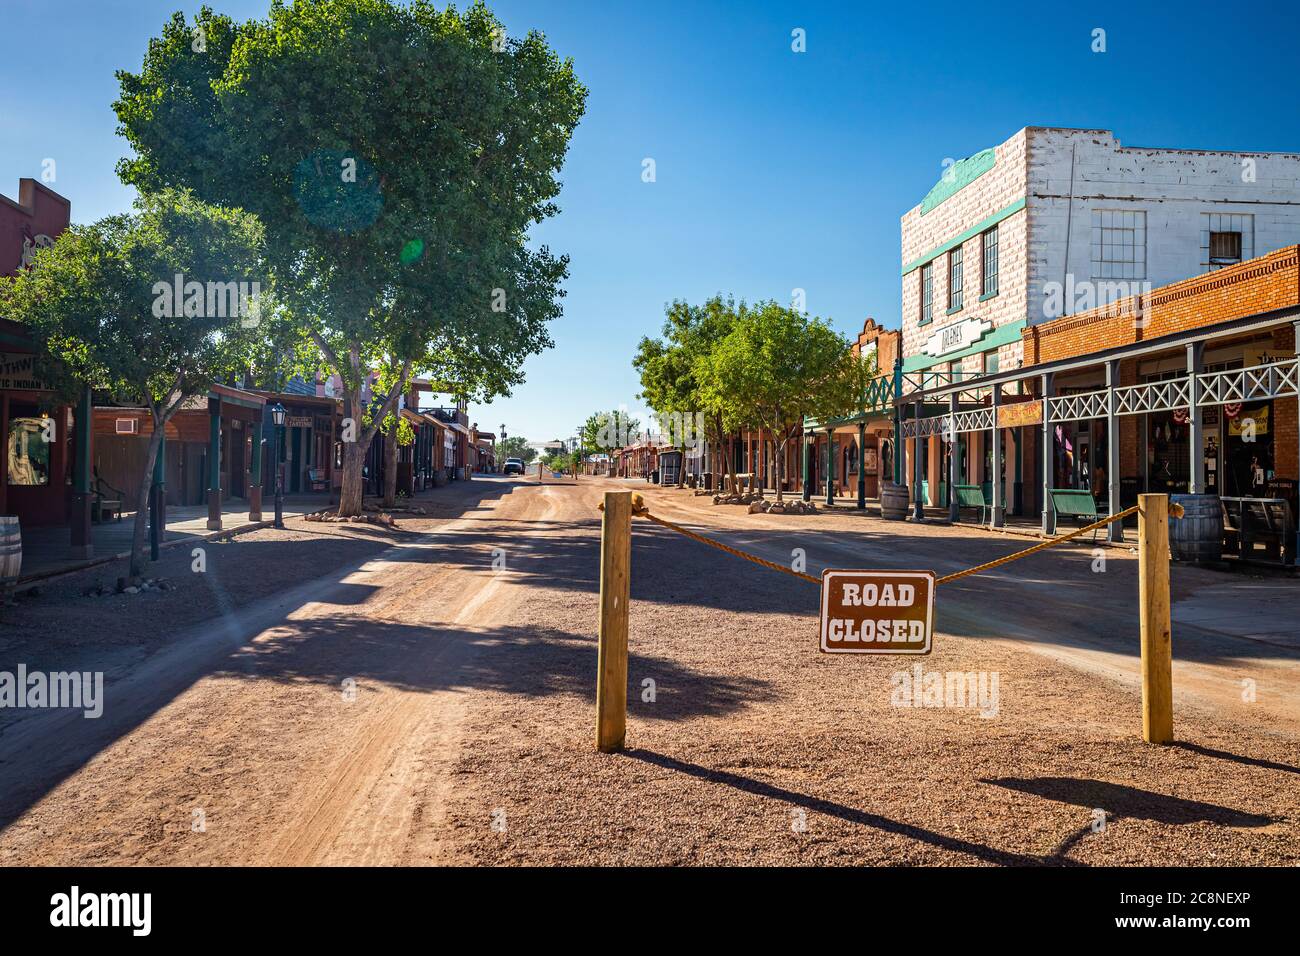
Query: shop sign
{"type": "Point", "coordinates": [297, 421]}
{"type": "Point", "coordinates": [17, 372]}
{"type": "Point", "coordinates": [1020, 414]}
{"type": "Point", "coordinates": [1258, 419]}
{"type": "Point", "coordinates": [955, 337]}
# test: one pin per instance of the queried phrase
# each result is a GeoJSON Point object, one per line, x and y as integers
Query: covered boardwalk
{"type": "Point", "coordinates": [1189, 388]}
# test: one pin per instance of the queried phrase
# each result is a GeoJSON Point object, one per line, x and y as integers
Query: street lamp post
{"type": "Point", "coordinates": [501, 455]}
{"type": "Point", "coordinates": [277, 419]}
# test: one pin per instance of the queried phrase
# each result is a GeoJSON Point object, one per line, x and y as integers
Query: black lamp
{"type": "Point", "coordinates": [277, 419]}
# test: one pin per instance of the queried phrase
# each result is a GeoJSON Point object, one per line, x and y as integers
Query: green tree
{"type": "Point", "coordinates": [777, 366]}
{"type": "Point", "coordinates": [397, 156]}
{"type": "Point", "coordinates": [610, 431]}
{"type": "Point", "coordinates": [100, 301]}
{"type": "Point", "coordinates": [674, 369]}
{"type": "Point", "coordinates": [516, 447]}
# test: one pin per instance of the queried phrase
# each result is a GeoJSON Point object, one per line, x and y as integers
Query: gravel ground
{"type": "Point", "coordinates": [759, 750]}
{"type": "Point", "coordinates": [61, 627]}
{"type": "Point", "coordinates": [471, 736]}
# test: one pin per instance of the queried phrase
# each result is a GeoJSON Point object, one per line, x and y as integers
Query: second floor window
{"type": "Point", "coordinates": [954, 280]}
{"type": "Point", "coordinates": [989, 272]}
{"type": "Point", "coordinates": [1119, 244]}
{"type": "Point", "coordinates": [1226, 239]}
{"type": "Point", "coordinates": [927, 292]}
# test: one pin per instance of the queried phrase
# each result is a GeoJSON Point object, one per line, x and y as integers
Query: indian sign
{"type": "Point", "coordinates": [877, 612]}
{"type": "Point", "coordinates": [17, 372]}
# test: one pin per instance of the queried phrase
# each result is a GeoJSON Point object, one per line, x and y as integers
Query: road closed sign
{"type": "Point", "coordinates": [877, 612]}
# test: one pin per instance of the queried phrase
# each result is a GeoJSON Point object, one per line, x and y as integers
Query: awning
{"type": "Point", "coordinates": [457, 426]}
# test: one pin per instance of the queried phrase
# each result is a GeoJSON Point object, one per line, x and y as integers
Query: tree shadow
{"type": "Point", "coordinates": [524, 661]}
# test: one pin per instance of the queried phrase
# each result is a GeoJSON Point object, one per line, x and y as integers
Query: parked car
{"type": "Point", "coordinates": [513, 466]}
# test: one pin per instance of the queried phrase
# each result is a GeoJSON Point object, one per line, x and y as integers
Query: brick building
{"type": "Point", "coordinates": [1050, 224]}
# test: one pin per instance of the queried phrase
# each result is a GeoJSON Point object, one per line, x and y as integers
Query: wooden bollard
{"type": "Point", "coordinates": [1153, 607]}
{"type": "Point", "coordinates": [611, 660]}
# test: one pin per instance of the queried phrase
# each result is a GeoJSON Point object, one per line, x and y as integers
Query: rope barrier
{"type": "Point", "coordinates": [640, 510]}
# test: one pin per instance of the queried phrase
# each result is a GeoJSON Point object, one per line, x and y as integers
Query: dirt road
{"type": "Point", "coordinates": [432, 703]}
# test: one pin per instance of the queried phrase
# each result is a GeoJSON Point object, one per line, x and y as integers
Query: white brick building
{"type": "Point", "coordinates": [1056, 221]}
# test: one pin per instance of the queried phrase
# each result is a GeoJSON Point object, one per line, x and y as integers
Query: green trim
{"type": "Point", "coordinates": [957, 177]}
{"type": "Point", "coordinates": [988, 295]}
{"type": "Point", "coordinates": [994, 338]}
{"type": "Point", "coordinates": [954, 310]}
{"type": "Point", "coordinates": [236, 400]}
{"type": "Point", "coordinates": [970, 233]}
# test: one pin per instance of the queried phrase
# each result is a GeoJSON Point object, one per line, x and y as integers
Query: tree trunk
{"type": "Point", "coordinates": [352, 490]}
{"type": "Point", "coordinates": [780, 469]}
{"type": "Point", "coordinates": [142, 503]}
{"type": "Point", "coordinates": [390, 467]}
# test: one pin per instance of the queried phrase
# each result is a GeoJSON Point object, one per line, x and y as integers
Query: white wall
{"type": "Point", "coordinates": [1173, 187]}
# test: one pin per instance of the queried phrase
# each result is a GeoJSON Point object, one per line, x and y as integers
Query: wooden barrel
{"type": "Point", "coordinates": [1198, 535]}
{"type": "Point", "coordinates": [893, 501]}
{"type": "Point", "coordinates": [11, 549]}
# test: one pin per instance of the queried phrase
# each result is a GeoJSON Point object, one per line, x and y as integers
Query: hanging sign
{"type": "Point", "coordinates": [877, 612]}
{"type": "Point", "coordinates": [1020, 414]}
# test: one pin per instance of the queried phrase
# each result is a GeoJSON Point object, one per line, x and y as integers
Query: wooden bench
{"type": "Point", "coordinates": [1248, 522]}
{"type": "Point", "coordinates": [102, 504]}
{"type": "Point", "coordinates": [971, 496]}
{"type": "Point", "coordinates": [1078, 504]}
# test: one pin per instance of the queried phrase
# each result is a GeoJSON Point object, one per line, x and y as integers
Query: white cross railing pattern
{"type": "Point", "coordinates": [1273, 380]}
{"type": "Point", "coordinates": [1073, 408]}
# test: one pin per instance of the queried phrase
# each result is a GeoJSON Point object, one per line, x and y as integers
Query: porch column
{"type": "Point", "coordinates": [899, 473]}
{"type": "Point", "coordinates": [830, 465]}
{"type": "Point", "coordinates": [807, 465]}
{"type": "Point", "coordinates": [918, 506]}
{"type": "Point", "coordinates": [862, 472]}
{"type": "Point", "coordinates": [1114, 530]}
{"type": "Point", "coordinates": [1295, 545]}
{"type": "Point", "coordinates": [158, 499]}
{"type": "Point", "coordinates": [83, 539]}
{"type": "Point", "coordinates": [1049, 462]}
{"type": "Point", "coordinates": [1195, 431]}
{"type": "Point", "coordinates": [954, 459]}
{"type": "Point", "coordinates": [255, 473]}
{"type": "Point", "coordinates": [997, 515]}
{"type": "Point", "coordinates": [214, 463]}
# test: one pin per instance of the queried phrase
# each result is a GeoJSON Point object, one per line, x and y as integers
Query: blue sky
{"type": "Point", "coordinates": [775, 170]}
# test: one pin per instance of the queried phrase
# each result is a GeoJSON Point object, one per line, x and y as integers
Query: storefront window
{"type": "Point", "coordinates": [29, 447]}
{"type": "Point", "coordinates": [1248, 444]}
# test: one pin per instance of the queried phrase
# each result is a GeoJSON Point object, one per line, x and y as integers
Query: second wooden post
{"type": "Point", "coordinates": [611, 661]}
{"type": "Point", "coordinates": [1153, 607]}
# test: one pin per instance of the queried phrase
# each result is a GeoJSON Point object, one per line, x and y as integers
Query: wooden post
{"type": "Point", "coordinates": [1153, 601]}
{"type": "Point", "coordinates": [611, 661]}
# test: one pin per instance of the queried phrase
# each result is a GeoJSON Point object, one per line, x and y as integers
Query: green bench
{"type": "Point", "coordinates": [971, 496]}
{"type": "Point", "coordinates": [1077, 504]}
